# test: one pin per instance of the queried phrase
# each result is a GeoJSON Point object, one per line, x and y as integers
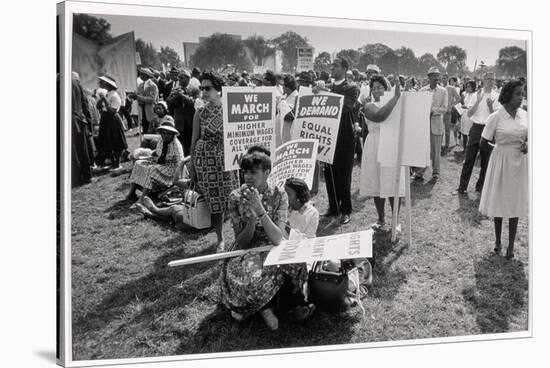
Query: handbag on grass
{"type": "Point", "coordinates": [195, 210]}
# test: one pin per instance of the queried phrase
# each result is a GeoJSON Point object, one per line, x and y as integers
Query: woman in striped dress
{"type": "Point", "coordinates": [158, 173]}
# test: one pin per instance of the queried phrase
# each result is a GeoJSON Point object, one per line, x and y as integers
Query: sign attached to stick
{"type": "Point", "coordinates": [305, 59]}
{"type": "Point", "coordinates": [416, 130]}
{"type": "Point", "coordinates": [340, 246]}
{"type": "Point", "coordinates": [318, 117]}
{"type": "Point", "coordinates": [294, 159]}
{"type": "Point", "coordinates": [248, 120]}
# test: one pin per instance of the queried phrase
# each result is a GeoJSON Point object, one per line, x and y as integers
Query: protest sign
{"type": "Point", "coordinates": [415, 108]}
{"type": "Point", "coordinates": [305, 59]}
{"type": "Point", "coordinates": [294, 159]}
{"type": "Point", "coordinates": [318, 117]}
{"type": "Point", "coordinates": [248, 120]}
{"type": "Point", "coordinates": [117, 57]}
{"type": "Point", "coordinates": [340, 246]}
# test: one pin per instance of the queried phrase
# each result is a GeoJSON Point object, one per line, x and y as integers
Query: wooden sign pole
{"type": "Point", "coordinates": [397, 182]}
{"type": "Point", "coordinates": [217, 256]}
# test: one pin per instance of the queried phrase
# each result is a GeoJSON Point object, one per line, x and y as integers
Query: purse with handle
{"type": "Point", "coordinates": [195, 210]}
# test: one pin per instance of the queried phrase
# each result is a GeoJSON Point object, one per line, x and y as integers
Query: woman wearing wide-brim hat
{"type": "Point", "coordinates": [111, 140]}
{"type": "Point", "coordinates": [157, 173]}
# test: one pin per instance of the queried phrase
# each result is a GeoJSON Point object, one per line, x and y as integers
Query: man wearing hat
{"type": "Point", "coordinates": [437, 128]}
{"type": "Point", "coordinates": [182, 107]}
{"type": "Point", "coordinates": [486, 104]}
{"type": "Point", "coordinates": [195, 75]}
{"type": "Point", "coordinates": [304, 80]}
{"type": "Point", "coordinates": [147, 96]}
{"type": "Point", "coordinates": [171, 84]}
{"type": "Point", "coordinates": [365, 90]}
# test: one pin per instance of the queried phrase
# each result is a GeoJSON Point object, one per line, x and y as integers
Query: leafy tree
{"type": "Point", "coordinates": [220, 49]}
{"type": "Point", "coordinates": [322, 62]}
{"type": "Point", "coordinates": [512, 61]}
{"type": "Point", "coordinates": [351, 55]}
{"type": "Point", "coordinates": [148, 54]}
{"type": "Point", "coordinates": [376, 50]}
{"type": "Point", "coordinates": [389, 62]}
{"type": "Point", "coordinates": [287, 43]}
{"type": "Point", "coordinates": [364, 60]}
{"type": "Point", "coordinates": [168, 55]}
{"type": "Point", "coordinates": [408, 63]}
{"type": "Point", "coordinates": [427, 61]}
{"type": "Point", "coordinates": [95, 29]}
{"type": "Point", "coordinates": [259, 47]}
{"type": "Point", "coordinates": [453, 58]}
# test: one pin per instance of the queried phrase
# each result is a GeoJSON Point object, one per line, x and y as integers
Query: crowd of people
{"type": "Point", "coordinates": [485, 116]}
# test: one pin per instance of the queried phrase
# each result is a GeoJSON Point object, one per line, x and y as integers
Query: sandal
{"type": "Point", "coordinates": [270, 319]}
{"type": "Point", "coordinates": [378, 226]}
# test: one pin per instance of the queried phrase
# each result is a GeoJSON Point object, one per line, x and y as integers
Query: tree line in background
{"type": "Point", "coordinates": [220, 49]}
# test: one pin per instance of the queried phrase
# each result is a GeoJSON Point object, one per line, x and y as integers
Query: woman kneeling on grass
{"type": "Point", "coordinates": [258, 214]}
{"type": "Point", "coordinates": [158, 173]}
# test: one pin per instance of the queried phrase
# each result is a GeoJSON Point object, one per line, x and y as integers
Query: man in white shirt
{"type": "Point", "coordinates": [194, 81]}
{"type": "Point", "coordinates": [439, 107]}
{"type": "Point", "coordinates": [454, 98]}
{"type": "Point", "coordinates": [486, 104]}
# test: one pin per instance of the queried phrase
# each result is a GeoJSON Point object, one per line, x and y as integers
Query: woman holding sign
{"type": "Point", "coordinates": [207, 164]}
{"type": "Point", "coordinates": [258, 213]}
{"type": "Point", "coordinates": [376, 180]}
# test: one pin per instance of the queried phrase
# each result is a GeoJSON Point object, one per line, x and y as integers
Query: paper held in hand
{"type": "Point", "coordinates": [340, 246]}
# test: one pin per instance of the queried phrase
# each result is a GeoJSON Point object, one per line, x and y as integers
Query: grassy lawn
{"type": "Point", "coordinates": [127, 303]}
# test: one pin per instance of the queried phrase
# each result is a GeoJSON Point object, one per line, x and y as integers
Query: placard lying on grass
{"type": "Point", "coordinates": [340, 246]}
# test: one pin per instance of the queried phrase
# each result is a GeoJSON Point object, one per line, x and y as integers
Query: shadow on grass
{"type": "Point", "coordinates": [421, 191]}
{"type": "Point", "coordinates": [468, 210]}
{"type": "Point", "coordinates": [163, 289]}
{"type": "Point", "coordinates": [386, 281]}
{"type": "Point", "coordinates": [499, 293]}
{"type": "Point", "coordinates": [218, 332]}
{"type": "Point", "coordinates": [119, 209]}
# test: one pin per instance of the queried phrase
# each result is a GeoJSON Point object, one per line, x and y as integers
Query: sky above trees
{"type": "Point", "coordinates": [172, 32]}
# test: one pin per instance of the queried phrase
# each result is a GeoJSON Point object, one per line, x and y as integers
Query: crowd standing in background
{"type": "Point", "coordinates": [185, 109]}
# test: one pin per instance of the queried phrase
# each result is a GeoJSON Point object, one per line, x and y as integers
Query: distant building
{"type": "Point", "coordinates": [189, 49]}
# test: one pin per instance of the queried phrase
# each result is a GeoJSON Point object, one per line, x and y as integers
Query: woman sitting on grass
{"type": "Point", "coordinates": [258, 214]}
{"type": "Point", "coordinates": [157, 173]}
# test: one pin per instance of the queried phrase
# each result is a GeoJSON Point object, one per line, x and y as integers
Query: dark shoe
{"type": "Point", "coordinates": [509, 254]}
{"type": "Point", "coordinates": [498, 249]}
{"type": "Point", "coordinates": [458, 191]}
{"type": "Point", "coordinates": [435, 177]}
{"type": "Point", "coordinates": [345, 219]}
{"type": "Point", "coordinates": [329, 214]}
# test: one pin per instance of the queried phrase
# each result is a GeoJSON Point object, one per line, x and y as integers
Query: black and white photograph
{"type": "Point", "coordinates": [410, 220]}
{"type": "Point", "coordinates": [234, 183]}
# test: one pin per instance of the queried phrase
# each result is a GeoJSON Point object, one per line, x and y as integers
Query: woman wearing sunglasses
{"type": "Point", "coordinates": [207, 164]}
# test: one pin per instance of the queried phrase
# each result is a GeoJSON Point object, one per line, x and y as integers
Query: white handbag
{"type": "Point", "coordinates": [195, 210]}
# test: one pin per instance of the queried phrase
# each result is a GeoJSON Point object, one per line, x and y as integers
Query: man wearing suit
{"type": "Point", "coordinates": [171, 84]}
{"type": "Point", "coordinates": [147, 96]}
{"type": "Point", "coordinates": [182, 107]}
{"type": "Point", "coordinates": [338, 174]}
{"type": "Point", "coordinates": [440, 102]}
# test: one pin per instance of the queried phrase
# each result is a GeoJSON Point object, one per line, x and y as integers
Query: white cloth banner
{"type": "Point", "coordinates": [340, 246]}
{"type": "Point", "coordinates": [318, 117]}
{"type": "Point", "coordinates": [117, 58]}
{"type": "Point", "coordinates": [416, 134]}
{"type": "Point", "coordinates": [248, 120]}
{"type": "Point", "coordinates": [294, 159]}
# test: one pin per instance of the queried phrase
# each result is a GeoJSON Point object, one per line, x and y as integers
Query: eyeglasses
{"type": "Point", "coordinates": [205, 88]}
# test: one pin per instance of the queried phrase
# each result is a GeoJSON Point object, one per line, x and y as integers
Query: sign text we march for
{"type": "Point", "coordinates": [294, 159]}
{"type": "Point", "coordinates": [318, 117]}
{"type": "Point", "coordinates": [248, 120]}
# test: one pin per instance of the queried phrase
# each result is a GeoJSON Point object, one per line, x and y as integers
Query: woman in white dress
{"type": "Point", "coordinates": [505, 192]}
{"type": "Point", "coordinates": [468, 100]}
{"type": "Point", "coordinates": [376, 180]}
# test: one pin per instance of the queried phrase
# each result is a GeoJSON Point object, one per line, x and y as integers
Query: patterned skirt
{"type": "Point", "coordinates": [247, 286]}
{"type": "Point", "coordinates": [152, 176]}
{"type": "Point", "coordinates": [213, 182]}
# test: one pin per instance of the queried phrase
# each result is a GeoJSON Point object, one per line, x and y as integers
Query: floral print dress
{"type": "Point", "coordinates": [246, 285]}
